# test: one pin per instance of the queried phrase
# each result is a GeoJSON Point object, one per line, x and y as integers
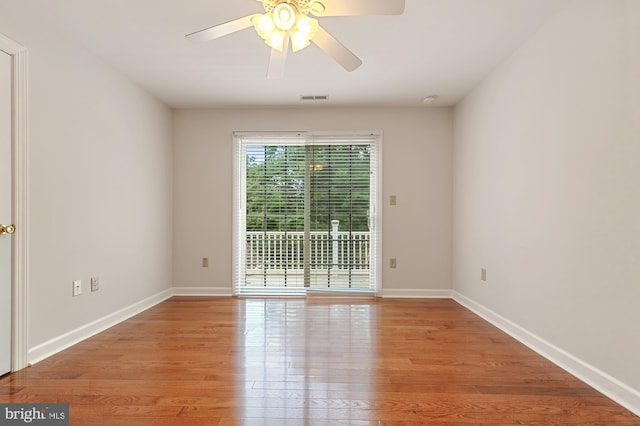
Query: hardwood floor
{"type": "Point", "coordinates": [313, 361]}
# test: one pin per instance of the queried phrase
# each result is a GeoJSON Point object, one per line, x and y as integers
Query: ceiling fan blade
{"type": "Point", "coordinates": [222, 29]}
{"type": "Point", "coordinates": [277, 61]}
{"type": "Point", "coordinates": [336, 50]}
{"type": "Point", "coordinates": [359, 7]}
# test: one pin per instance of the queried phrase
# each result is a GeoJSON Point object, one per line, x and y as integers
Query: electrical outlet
{"type": "Point", "coordinates": [205, 262]}
{"type": "Point", "coordinates": [393, 200]}
{"type": "Point", "coordinates": [77, 288]}
{"type": "Point", "coordinates": [393, 263]}
{"type": "Point", "coordinates": [483, 274]}
{"type": "Point", "coordinates": [95, 284]}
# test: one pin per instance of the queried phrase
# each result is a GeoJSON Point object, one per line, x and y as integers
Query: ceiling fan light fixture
{"type": "Point", "coordinates": [273, 27]}
{"type": "Point", "coordinates": [276, 40]}
{"type": "Point", "coordinates": [268, 31]}
{"type": "Point", "coordinates": [284, 16]}
{"type": "Point", "coordinates": [299, 41]}
{"type": "Point", "coordinates": [304, 31]}
{"type": "Point", "coordinates": [306, 25]}
{"type": "Point", "coordinates": [264, 25]}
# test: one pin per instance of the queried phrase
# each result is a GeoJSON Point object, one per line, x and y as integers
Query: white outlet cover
{"type": "Point", "coordinates": [77, 288]}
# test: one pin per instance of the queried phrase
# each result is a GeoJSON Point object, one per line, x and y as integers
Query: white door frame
{"type": "Point", "coordinates": [20, 253]}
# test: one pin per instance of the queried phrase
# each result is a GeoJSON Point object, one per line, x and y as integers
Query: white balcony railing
{"type": "Point", "coordinates": [284, 251]}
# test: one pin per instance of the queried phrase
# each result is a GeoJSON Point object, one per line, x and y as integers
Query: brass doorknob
{"type": "Point", "coordinates": [7, 229]}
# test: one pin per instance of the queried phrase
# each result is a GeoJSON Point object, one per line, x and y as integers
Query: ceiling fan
{"type": "Point", "coordinates": [290, 23]}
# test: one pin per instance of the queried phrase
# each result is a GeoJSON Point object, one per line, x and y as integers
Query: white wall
{"type": "Point", "coordinates": [416, 168]}
{"type": "Point", "coordinates": [100, 182]}
{"type": "Point", "coordinates": [546, 193]}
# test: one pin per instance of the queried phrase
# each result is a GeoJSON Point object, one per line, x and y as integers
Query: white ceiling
{"type": "Point", "coordinates": [442, 47]}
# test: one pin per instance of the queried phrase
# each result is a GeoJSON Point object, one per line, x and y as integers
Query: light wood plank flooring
{"type": "Point", "coordinates": [313, 361]}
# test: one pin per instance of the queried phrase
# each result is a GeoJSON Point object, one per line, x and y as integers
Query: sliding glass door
{"type": "Point", "coordinates": [305, 213]}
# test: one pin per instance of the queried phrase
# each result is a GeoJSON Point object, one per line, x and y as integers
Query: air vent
{"type": "Point", "coordinates": [314, 97]}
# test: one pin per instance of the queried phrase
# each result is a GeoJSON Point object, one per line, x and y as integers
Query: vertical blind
{"type": "Point", "coordinates": [305, 212]}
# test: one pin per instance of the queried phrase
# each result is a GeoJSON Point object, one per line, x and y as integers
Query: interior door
{"type": "Point", "coordinates": [5, 212]}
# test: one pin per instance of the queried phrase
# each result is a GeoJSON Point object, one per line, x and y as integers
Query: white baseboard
{"type": "Point", "coordinates": [599, 380]}
{"type": "Point", "coordinates": [203, 291]}
{"type": "Point", "coordinates": [60, 343]}
{"type": "Point", "coordinates": [416, 293]}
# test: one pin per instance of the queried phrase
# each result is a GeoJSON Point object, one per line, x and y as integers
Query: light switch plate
{"type": "Point", "coordinates": [95, 284]}
{"type": "Point", "coordinates": [77, 288]}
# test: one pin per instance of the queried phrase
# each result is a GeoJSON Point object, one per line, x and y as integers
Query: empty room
{"type": "Point", "coordinates": [320, 212]}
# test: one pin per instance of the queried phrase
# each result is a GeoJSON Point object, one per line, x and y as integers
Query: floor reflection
{"type": "Point", "coordinates": [307, 359]}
